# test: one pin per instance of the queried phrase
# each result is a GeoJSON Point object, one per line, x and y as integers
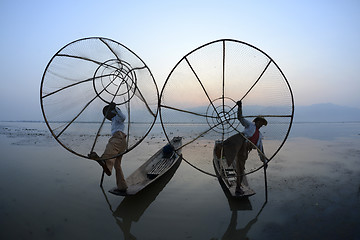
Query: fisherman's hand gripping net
{"type": "Point", "coordinates": [82, 78]}
{"type": "Point", "coordinates": [201, 93]}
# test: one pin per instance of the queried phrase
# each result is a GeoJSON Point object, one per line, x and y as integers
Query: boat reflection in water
{"type": "Point", "coordinates": [239, 204]}
{"type": "Point", "coordinates": [227, 178]}
{"type": "Point", "coordinates": [133, 207]}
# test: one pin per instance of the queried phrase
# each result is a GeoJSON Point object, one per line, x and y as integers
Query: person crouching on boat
{"type": "Point", "coordinates": [116, 145]}
{"type": "Point", "coordinates": [237, 147]}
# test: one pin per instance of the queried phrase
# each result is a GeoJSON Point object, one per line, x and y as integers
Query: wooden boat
{"type": "Point", "coordinates": [227, 176]}
{"type": "Point", "coordinates": [156, 166]}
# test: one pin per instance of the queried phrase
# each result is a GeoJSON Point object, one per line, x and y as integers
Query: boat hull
{"type": "Point", "coordinates": [151, 170]}
{"type": "Point", "coordinates": [227, 177]}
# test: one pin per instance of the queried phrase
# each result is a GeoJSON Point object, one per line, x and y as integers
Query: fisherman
{"type": "Point", "coordinates": [237, 147]}
{"type": "Point", "coordinates": [116, 145]}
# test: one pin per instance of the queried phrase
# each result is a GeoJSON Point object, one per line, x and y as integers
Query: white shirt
{"type": "Point", "coordinates": [117, 122]}
{"type": "Point", "coordinates": [250, 130]}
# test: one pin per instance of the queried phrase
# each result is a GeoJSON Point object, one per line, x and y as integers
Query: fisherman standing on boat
{"type": "Point", "coordinates": [116, 145]}
{"type": "Point", "coordinates": [237, 147]}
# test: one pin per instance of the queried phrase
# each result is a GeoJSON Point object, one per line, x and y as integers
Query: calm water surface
{"type": "Point", "coordinates": [49, 193]}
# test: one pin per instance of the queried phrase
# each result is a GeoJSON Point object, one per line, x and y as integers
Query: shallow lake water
{"type": "Point", "coordinates": [47, 192]}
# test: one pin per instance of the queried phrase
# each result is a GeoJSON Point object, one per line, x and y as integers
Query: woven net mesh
{"type": "Point", "coordinates": [201, 93]}
{"type": "Point", "coordinates": [82, 78]}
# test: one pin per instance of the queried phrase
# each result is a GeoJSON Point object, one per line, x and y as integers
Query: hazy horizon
{"type": "Point", "coordinates": [353, 114]}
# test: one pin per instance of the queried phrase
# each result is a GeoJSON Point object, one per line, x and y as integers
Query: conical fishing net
{"type": "Point", "coordinates": [82, 78]}
{"type": "Point", "coordinates": [201, 92]}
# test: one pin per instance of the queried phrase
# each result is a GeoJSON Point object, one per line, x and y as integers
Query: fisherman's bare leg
{"type": "Point", "coordinates": [240, 165]}
{"type": "Point", "coordinates": [116, 163]}
{"type": "Point", "coordinates": [116, 145]}
{"type": "Point", "coordinates": [218, 150]}
{"type": "Point", "coordinates": [112, 149]}
{"type": "Point", "coordinates": [120, 179]}
{"type": "Point", "coordinates": [232, 146]}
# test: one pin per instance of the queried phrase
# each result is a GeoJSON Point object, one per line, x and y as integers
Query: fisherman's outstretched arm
{"type": "Point", "coordinates": [240, 117]}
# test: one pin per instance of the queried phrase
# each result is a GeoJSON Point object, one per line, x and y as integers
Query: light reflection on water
{"type": "Point", "coordinates": [314, 188]}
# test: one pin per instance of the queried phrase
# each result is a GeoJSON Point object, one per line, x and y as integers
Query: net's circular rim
{"type": "Point", "coordinates": [44, 112]}
{"type": "Point", "coordinates": [251, 46]}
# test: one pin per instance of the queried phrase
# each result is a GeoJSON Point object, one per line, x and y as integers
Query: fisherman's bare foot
{"type": "Point", "coordinates": [102, 163]}
{"type": "Point", "coordinates": [120, 190]}
{"type": "Point", "coordinates": [239, 191]}
{"type": "Point", "coordinates": [104, 167]}
{"type": "Point", "coordinates": [93, 155]}
{"type": "Point", "coordinates": [117, 191]}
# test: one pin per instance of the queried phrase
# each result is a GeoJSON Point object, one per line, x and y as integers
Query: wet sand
{"type": "Point", "coordinates": [49, 193]}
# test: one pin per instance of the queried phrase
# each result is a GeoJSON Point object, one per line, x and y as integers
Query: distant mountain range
{"type": "Point", "coordinates": [326, 112]}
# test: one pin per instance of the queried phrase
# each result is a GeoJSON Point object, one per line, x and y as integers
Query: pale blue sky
{"type": "Point", "coordinates": [315, 43]}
